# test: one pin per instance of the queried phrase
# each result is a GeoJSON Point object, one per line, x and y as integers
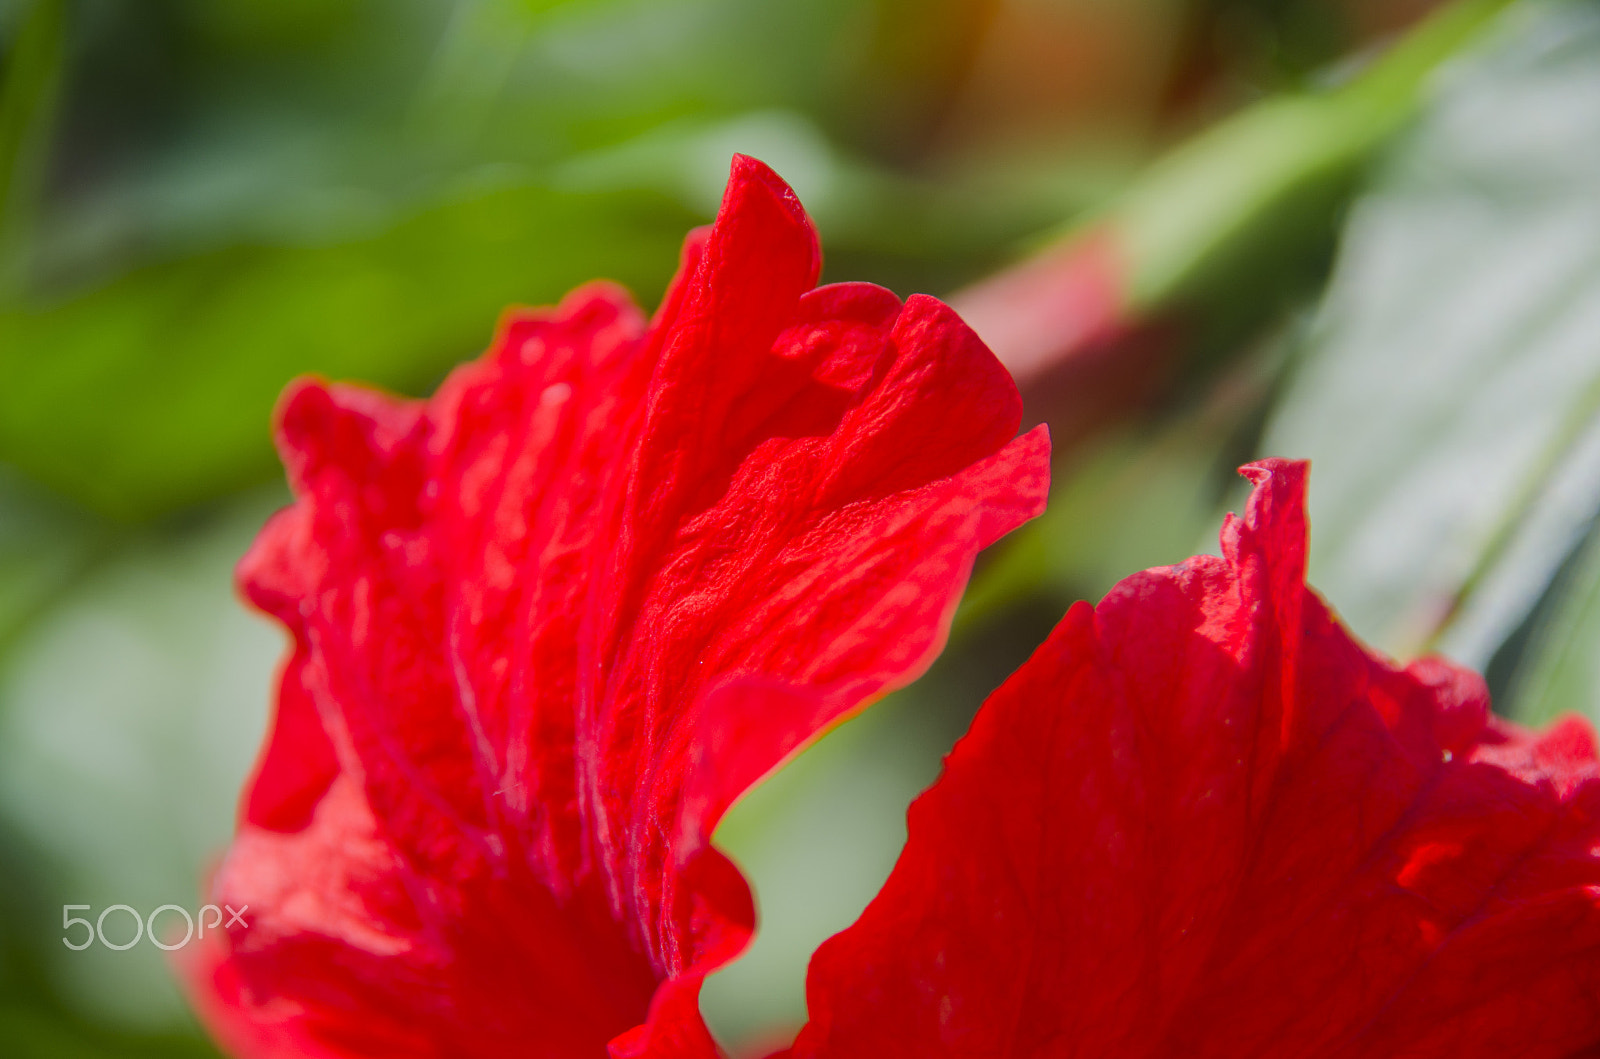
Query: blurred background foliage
{"type": "Point", "coordinates": [1363, 231]}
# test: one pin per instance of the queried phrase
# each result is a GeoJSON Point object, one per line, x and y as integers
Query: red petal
{"type": "Point", "coordinates": [550, 623]}
{"type": "Point", "coordinates": [1203, 821]}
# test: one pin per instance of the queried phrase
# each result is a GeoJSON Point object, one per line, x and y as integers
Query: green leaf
{"type": "Point", "coordinates": [1448, 395]}
{"type": "Point", "coordinates": [817, 841]}
{"type": "Point", "coordinates": [1558, 665]}
{"type": "Point", "coordinates": [1244, 200]}
{"type": "Point", "coordinates": [1140, 498]}
{"type": "Point", "coordinates": [41, 1033]}
{"type": "Point", "coordinates": [129, 714]}
{"type": "Point", "coordinates": [44, 546]}
{"type": "Point", "coordinates": [29, 90]}
{"type": "Point", "coordinates": [155, 391]}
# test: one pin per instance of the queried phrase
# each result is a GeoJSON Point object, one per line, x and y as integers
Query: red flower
{"type": "Point", "coordinates": [1203, 821]}
{"type": "Point", "coordinates": [548, 624]}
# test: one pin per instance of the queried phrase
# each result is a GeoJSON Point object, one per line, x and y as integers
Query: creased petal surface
{"type": "Point", "coordinates": [550, 623]}
{"type": "Point", "coordinates": [1204, 821]}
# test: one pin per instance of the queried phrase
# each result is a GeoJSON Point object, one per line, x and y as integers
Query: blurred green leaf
{"type": "Point", "coordinates": [1448, 397]}
{"type": "Point", "coordinates": [1558, 664]}
{"type": "Point", "coordinates": [154, 391]}
{"type": "Point", "coordinates": [129, 714]}
{"type": "Point", "coordinates": [34, 1032]}
{"type": "Point", "coordinates": [1147, 496]}
{"type": "Point", "coordinates": [245, 191]}
{"type": "Point", "coordinates": [1241, 219]}
{"type": "Point", "coordinates": [44, 546]}
{"type": "Point", "coordinates": [1212, 246]}
{"type": "Point", "coordinates": [29, 89]}
{"type": "Point", "coordinates": [817, 841]}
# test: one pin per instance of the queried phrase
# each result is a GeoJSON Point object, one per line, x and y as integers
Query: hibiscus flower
{"type": "Point", "coordinates": [548, 624]}
{"type": "Point", "coordinates": [1202, 820]}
